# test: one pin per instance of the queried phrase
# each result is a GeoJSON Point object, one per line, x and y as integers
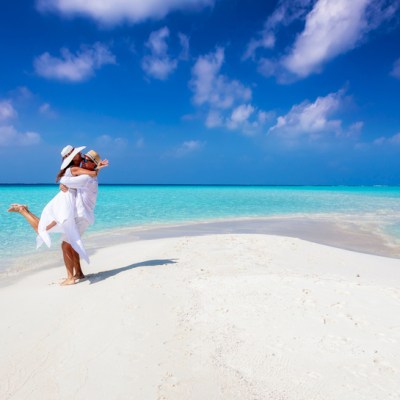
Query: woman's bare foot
{"type": "Point", "coordinates": [68, 281]}
{"type": "Point", "coordinates": [22, 205]}
{"type": "Point", "coordinates": [17, 208]}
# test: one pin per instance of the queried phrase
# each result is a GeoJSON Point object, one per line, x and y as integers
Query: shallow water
{"type": "Point", "coordinates": [133, 206]}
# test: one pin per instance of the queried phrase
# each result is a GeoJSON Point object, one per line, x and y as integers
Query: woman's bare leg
{"type": "Point", "coordinates": [29, 216]}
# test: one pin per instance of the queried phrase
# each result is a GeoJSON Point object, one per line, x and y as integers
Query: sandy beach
{"type": "Point", "coordinates": [229, 316]}
{"type": "Point", "coordinates": [228, 173]}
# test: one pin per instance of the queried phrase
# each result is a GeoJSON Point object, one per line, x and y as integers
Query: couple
{"type": "Point", "coordinates": [71, 211]}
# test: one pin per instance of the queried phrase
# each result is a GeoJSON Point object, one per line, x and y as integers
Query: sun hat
{"type": "Point", "coordinates": [94, 156]}
{"type": "Point", "coordinates": [66, 150]}
{"type": "Point", "coordinates": [68, 159]}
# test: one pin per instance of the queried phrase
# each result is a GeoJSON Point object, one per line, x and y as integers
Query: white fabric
{"type": "Point", "coordinates": [62, 210]}
{"type": "Point", "coordinates": [87, 189]}
{"type": "Point", "coordinates": [81, 223]}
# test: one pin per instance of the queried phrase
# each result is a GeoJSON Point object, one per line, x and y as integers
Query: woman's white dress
{"type": "Point", "coordinates": [62, 210]}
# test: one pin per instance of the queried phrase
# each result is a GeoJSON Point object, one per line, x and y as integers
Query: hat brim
{"type": "Point", "coordinates": [67, 160]}
{"type": "Point", "coordinates": [88, 155]}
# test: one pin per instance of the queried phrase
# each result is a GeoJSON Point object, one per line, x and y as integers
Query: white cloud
{"type": "Point", "coordinates": [212, 88]}
{"type": "Point", "coordinates": [268, 67]}
{"type": "Point", "coordinates": [214, 119]}
{"type": "Point", "coordinates": [267, 42]}
{"type": "Point", "coordinates": [157, 42]}
{"type": "Point", "coordinates": [354, 130]}
{"type": "Point", "coordinates": [115, 11]}
{"type": "Point", "coordinates": [310, 119]}
{"type": "Point", "coordinates": [21, 94]}
{"type": "Point", "coordinates": [189, 147]}
{"type": "Point", "coordinates": [158, 68]}
{"type": "Point", "coordinates": [9, 136]}
{"type": "Point", "coordinates": [240, 115]}
{"type": "Point", "coordinates": [226, 102]}
{"type": "Point", "coordinates": [74, 68]}
{"type": "Point", "coordinates": [392, 140]}
{"type": "Point", "coordinates": [244, 118]}
{"type": "Point", "coordinates": [331, 28]}
{"type": "Point", "coordinates": [7, 110]}
{"type": "Point", "coordinates": [46, 109]}
{"type": "Point", "coordinates": [110, 142]}
{"type": "Point", "coordinates": [248, 120]}
{"type": "Point", "coordinates": [158, 64]}
{"type": "Point", "coordinates": [395, 139]}
{"type": "Point", "coordinates": [396, 69]}
{"type": "Point", "coordinates": [285, 13]}
{"type": "Point", "coordinates": [184, 41]}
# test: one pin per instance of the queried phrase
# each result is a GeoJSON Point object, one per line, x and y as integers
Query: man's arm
{"type": "Point", "coordinates": [75, 182]}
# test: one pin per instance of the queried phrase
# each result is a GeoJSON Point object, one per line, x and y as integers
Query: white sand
{"type": "Point", "coordinates": [212, 317]}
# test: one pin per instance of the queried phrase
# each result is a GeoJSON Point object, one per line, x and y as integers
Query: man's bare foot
{"type": "Point", "coordinates": [79, 276]}
{"type": "Point", "coordinates": [68, 281]}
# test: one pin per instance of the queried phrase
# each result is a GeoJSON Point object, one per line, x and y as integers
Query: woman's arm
{"type": "Point", "coordinates": [77, 171]}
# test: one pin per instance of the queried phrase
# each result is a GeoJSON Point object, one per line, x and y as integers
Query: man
{"type": "Point", "coordinates": [70, 256]}
{"type": "Point", "coordinates": [86, 196]}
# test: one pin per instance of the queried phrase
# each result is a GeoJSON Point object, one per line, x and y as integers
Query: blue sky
{"type": "Point", "coordinates": [203, 91]}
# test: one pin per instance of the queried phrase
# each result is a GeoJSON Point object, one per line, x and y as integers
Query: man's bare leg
{"type": "Point", "coordinates": [69, 264]}
{"type": "Point", "coordinates": [77, 266]}
{"type": "Point", "coordinates": [78, 274]}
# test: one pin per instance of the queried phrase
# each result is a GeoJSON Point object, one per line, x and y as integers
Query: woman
{"type": "Point", "coordinates": [59, 214]}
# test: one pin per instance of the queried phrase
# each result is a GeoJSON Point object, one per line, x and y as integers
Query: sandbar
{"type": "Point", "coordinates": [212, 316]}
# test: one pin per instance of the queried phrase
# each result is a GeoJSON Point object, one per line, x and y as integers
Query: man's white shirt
{"type": "Point", "coordinates": [87, 189]}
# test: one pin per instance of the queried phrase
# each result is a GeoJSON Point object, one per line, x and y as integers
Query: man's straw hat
{"type": "Point", "coordinates": [94, 156]}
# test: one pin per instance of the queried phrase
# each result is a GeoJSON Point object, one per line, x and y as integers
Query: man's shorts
{"type": "Point", "coordinates": [82, 224]}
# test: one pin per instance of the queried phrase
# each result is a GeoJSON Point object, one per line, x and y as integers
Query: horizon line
{"type": "Point", "coordinates": [215, 184]}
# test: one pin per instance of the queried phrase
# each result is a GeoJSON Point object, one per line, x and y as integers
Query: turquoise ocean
{"type": "Point", "coordinates": [143, 205]}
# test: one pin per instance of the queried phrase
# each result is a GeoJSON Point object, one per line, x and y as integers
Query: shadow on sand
{"type": "Point", "coordinates": [101, 276]}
